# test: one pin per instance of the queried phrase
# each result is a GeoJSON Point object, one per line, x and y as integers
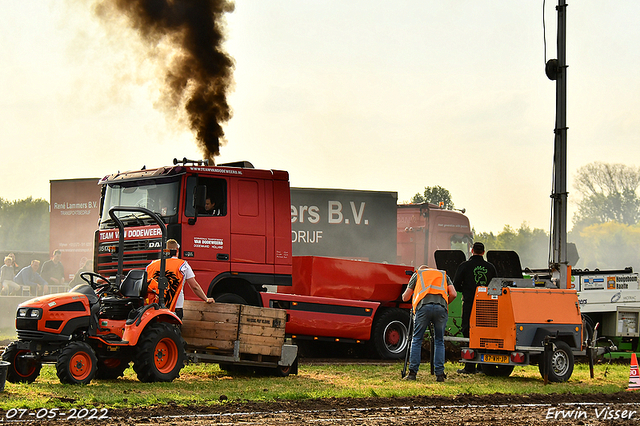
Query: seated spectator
{"type": "Point", "coordinates": [9, 287]}
{"type": "Point", "coordinates": [14, 265]}
{"type": "Point", "coordinates": [52, 270]}
{"type": "Point", "coordinates": [29, 276]}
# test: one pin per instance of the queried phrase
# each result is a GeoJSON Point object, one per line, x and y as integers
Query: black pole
{"type": "Point", "coordinates": [557, 70]}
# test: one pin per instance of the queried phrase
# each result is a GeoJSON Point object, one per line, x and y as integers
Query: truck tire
{"type": "Point", "coordinates": [159, 354]}
{"type": "Point", "coordinates": [230, 298]}
{"type": "Point", "coordinates": [496, 370]}
{"type": "Point", "coordinates": [21, 370]}
{"type": "Point", "coordinates": [76, 364]}
{"type": "Point", "coordinates": [389, 334]}
{"type": "Point", "coordinates": [111, 368]}
{"type": "Point", "coordinates": [561, 366]}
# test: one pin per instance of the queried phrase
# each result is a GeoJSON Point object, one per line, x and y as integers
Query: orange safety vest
{"type": "Point", "coordinates": [175, 279]}
{"type": "Point", "coordinates": [430, 281]}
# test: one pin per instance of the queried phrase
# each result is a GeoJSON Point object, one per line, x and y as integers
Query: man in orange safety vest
{"type": "Point", "coordinates": [430, 291]}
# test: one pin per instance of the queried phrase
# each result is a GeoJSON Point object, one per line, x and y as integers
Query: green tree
{"type": "Point", "coordinates": [24, 225]}
{"type": "Point", "coordinates": [435, 195]}
{"type": "Point", "coordinates": [532, 245]}
{"type": "Point", "coordinates": [610, 245]}
{"type": "Point", "coordinates": [609, 192]}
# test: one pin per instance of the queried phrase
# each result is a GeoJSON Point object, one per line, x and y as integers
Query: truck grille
{"type": "Point", "coordinates": [487, 313]}
{"type": "Point", "coordinates": [137, 255]}
{"type": "Point", "coordinates": [491, 343]}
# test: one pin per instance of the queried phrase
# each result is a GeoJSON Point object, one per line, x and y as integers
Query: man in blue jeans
{"type": "Point", "coordinates": [430, 291]}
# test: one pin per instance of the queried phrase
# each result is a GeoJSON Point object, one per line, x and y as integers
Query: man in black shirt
{"type": "Point", "coordinates": [475, 272]}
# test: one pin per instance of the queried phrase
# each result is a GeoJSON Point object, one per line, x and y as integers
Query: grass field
{"type": "Point", "coordinates": [206, 384]}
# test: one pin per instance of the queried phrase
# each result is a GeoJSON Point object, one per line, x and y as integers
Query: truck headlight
{"type": "Point", "coordinates": [22, 312]}
{"type": "Point", "coordinates": [35, 313]}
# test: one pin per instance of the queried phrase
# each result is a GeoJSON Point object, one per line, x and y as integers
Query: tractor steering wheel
{"type": "Point", "coordinates": [92, 279]}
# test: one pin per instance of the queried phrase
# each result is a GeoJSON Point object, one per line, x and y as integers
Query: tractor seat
{"type": "Point", "coordinates": [134, 284]}
{"type": "Point", "coordinates": [133, 289]}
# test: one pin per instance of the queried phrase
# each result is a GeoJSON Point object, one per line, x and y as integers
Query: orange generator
{"type": "Point", "coordinates": [511, 322]}
{"type": "Point", "coordinates": [521, 320]}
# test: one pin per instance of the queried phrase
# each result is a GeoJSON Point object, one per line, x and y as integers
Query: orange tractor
{"type": "Point", "coordinates": [96, 329]}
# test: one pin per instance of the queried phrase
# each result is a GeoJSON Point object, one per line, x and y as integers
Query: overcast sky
{"type": "Point", "coordinates": [372, 95]}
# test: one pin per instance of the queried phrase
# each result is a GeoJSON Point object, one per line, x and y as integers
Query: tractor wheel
{"type": "Point", "coordinates": [77, 364]}
{"type": "Point", "coordinates": [111, 368]}
{"type": "Point", "coordinates": [496, 370]}
{"type": "Point", "coordinates": [389, 334]}
{"type": "Point", "coordinates": [159, 354]}
{"type": "Point", "coordinates": [21, 370]}
{"type": "Point", "coordinates": [561, 366]}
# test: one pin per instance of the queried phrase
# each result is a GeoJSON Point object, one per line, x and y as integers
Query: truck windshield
{"type": "Point", "coordinates": [462, 242]}
{"type": "Point", "coordinates": [159, 197]}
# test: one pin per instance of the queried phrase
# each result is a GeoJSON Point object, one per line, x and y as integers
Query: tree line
{"type": "Point", "coordinates": [606, 225]}
{"type": "Point", "coordinates": [24, 225]}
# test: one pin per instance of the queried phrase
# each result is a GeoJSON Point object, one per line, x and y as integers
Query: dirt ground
{"type": "Point", "coordinates": [592, 409]}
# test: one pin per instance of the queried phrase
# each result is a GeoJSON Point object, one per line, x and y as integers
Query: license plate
{"type": "Point", "coordinates": [500, 359]}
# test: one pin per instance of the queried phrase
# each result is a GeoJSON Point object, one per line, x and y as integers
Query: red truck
{"type": "Point", "coordinates": [244, 249]}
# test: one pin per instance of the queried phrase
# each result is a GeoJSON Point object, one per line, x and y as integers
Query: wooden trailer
{"type": "Point", "coordinates": [238, 337]}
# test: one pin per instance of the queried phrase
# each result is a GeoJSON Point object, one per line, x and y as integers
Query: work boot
{"type": "Point", "coordinates": [410, 376]}
{"type": "Point", "coordinates": [466, 371]}
{"type": "Point", "coordinates": [441, 377]}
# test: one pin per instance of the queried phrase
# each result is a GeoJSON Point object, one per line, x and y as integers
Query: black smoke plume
{"type": "Point", "coordinates": [200, 72]}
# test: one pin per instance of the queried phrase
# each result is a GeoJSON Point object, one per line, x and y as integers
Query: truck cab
{"type": "Point", "coordinates": [236, 248]}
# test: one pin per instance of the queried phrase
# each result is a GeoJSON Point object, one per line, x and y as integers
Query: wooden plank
{"type": "Point", "coordinates": [254, 330]}
{"type": "Point", "coordinates": [214, 317]}
{"type": "Point", "coordinates": [208, 343]}
{"type": "Point", "coordinates": [192, 305]}
{"type": "Point", "coordinates": [259, 349]}
{"type": "Point", "coordinates": [269, 313]}
{"type": "Point", "coordinates": [261, 321]}
{"type": "Point", "coordinates": [189, 325]}
{"type": "Point", "coordinates": [261, 340]}
{"type": "Point", "coordinates": [267, 318]}
{"type": "Point", "coordinates": [190, 330]}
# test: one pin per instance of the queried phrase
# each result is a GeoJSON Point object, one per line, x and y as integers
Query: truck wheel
{"type": "Point", "coordinates": [111, 368]}
{"type": "Point", "coordinates": [496, 370]}
{"type": "Point", "coordinates": [159, 354]}
{"type": "Point", "coordinates": [389, 333]}
{"type": "Point", "coordinates": [76, 364]}
{"type": "Point", "coordinates": [561, 366]}
{"type": "Point", "coordinates": [230, 298]}
{"type": "Point", "coordinates": [21, 370]}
